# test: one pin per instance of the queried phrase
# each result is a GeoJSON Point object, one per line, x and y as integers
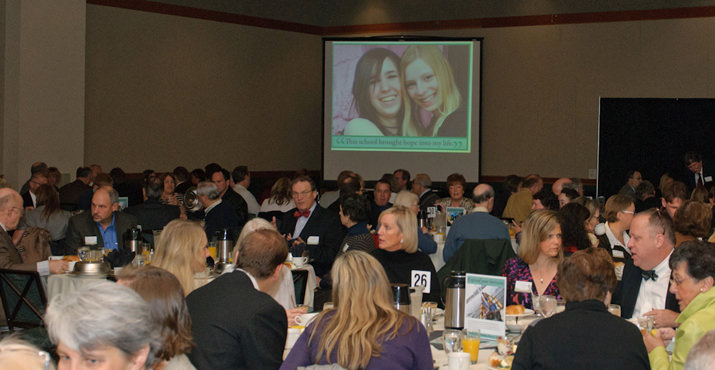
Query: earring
{"type": "Point", "coordinates": [402, 241]}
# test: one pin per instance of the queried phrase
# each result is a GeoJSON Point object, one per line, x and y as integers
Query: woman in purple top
{"type": "Point", "coordinates": [540, 251]}
{"type": "Point", "coordinates": [364, 330]}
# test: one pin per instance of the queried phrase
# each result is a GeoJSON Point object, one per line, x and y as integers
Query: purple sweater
{"type": "Point", "coordinates": [408, 350]}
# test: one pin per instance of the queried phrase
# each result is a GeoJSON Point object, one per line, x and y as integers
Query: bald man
{"type": "Point", "coordinates": [103, 222]}
{"type": "Point", "coordinates": [10, 258]}
{"type": "Point", "coordinates": [477, 225]}
{"type": "Point", "coordinates": [559, 185]}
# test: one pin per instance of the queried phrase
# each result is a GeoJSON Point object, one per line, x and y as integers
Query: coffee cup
{"type": "Point", "coordinates": [305, 319]}
{"type": "Point", "coordinates": [299, 261]}
{"type": "Point", "coordinates": [458, 360]}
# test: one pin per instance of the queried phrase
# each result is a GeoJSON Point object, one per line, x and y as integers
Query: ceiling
{"type": "Point", "coordinates": [333, 13]}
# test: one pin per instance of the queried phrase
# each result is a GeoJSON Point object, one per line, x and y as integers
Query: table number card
{"type": "Point", "coordinates": [421, 278]}
{"type": "Point", "coordinates": [484, 305]}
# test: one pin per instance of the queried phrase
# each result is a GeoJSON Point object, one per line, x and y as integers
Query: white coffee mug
{"type": "Point", "coordinates": [299, 261]}
{"type": "Point", "coordinates": [304, 319]}
{"type": "Point", "coordinates": [459, 360]}
{"type": "Point", "coordinates": [293, 334]}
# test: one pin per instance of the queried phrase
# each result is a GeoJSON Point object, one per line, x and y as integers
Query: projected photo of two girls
{"type": "Point", "coordinates": [402, 89]}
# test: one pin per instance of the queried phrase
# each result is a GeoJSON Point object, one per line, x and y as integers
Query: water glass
{"type": "Point", "coordinates": [535, 302]}
{"type": "Point", "coordinates": [547, 305]}
{"type": "Point", "coordinates": [646, 323]}
{"type": "Point", "coordinates": [614, 309]}
{"type": "Point", "coordinates": [83, 253]}
{"type": "Point", "coordinates": [452, 340]}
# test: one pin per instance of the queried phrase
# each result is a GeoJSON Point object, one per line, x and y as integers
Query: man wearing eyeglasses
{"type": "Point", "coordinates": [29, 199]}
{"type": "Point", "coordinates": [311, 226]}
{"type": "Point", "coordinates": [10, 257]}
{"type": "Point", "coordinates": [634, 179]}
{"type": "Point", "coordinates": [644, 288]}
{"type": "Point", "coordinates": [699, 174]}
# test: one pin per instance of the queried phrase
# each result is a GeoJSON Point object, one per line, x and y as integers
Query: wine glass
{"type": "Point", "coordinates": [547, 305]}
{"type": "Point", "coordinates": [535, 302]}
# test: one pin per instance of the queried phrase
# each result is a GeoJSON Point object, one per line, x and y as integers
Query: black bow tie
{"type": "Point", "coordinates": [650, 274]}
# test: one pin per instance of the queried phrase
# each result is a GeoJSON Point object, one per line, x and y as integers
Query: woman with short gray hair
{"type": "Point", "coordinates": [103, 323]}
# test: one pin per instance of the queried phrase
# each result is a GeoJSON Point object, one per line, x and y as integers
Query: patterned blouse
{"type": "Point", "coordinates": [465, 203]}
{"type": "Point", "coordinates": [518, 270]}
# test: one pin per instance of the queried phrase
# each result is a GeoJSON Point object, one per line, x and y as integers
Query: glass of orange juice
{"type": "Point", "coordinates": [212, 249]}
{"type": "Point", "coordinates": [470, 344]}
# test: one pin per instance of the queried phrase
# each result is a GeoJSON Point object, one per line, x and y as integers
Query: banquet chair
{"type": "Point", "coordinates": [479, 256]}
{"type": "Point", "coordinates": [300, 283]}
{"type": "Point", "coordinates": [23, 298]}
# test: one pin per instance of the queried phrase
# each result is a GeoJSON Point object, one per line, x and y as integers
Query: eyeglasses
{"type": "Point", "coordinates": [679, 283]}
{"type": "Point", "coordinates": [44, 356]}
{"type": "Point", "coordinates": [629, 212]}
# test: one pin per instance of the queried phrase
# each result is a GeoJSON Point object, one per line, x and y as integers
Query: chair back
{"type": "Point", "coordinates": [23, 298]}
{"type": "Point", "coordinates": [300, 283]}
{"type": "Point", "coordinates": [479, 256]}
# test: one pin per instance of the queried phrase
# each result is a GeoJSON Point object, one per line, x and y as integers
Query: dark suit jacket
{"type": "Point", "coordinates": [27, 200]}
{"type": "Point", "coordinates": [69, 194]}
{"type": "Point", "coordinates": [183, 187]}
{"type": "Point", "coordinates": [222, 217]}
{"type": "Point", "coordinates": [427, 200]}
{"type": "Point", "coordinates": [236, 326]}
{"type": "Point", "coordinates": [9, 256]}
{"type": "Point", "coordinates": [627, 291]}
{"type": "Point", "coordinates": [82, 225]}
{"type": "Point", "coordinates": [708, 171]}
{"type": "Point", "coordinates": [153, 215]}
{"type": "Point", "coordinates": [239, 205]}
{"type": "Point", "coordinates": [327, 227]}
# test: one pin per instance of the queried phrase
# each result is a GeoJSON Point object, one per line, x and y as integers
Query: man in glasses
{"type": "Point", "coordinates": [311, 227]}
{"type": "Point", "coordinates": [644, 288]}
{"type": "Point", "coordinates": [699, 174]}
{"type": "Point", "coordinates": [633, 179]}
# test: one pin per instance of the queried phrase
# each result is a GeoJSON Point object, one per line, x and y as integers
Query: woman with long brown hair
{"type": "Point", "coordinates": [49, 216]}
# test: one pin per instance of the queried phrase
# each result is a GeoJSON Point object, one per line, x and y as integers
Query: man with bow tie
{"type": "Point", "coordinates": [311, 226]}
{"type": "Point", "coordinates": [644, 288]}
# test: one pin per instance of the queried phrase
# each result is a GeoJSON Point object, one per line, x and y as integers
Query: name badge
{"type": "Point", "coordinates": [618, 254]}
{"type": "Point", "coordinates": [345, 248]}
{"type": "Point", "coordinates": [90, 240]}
{"type": "Point", "coordinates": [522, 287]}
{"type": "Point", "coordinates": [313, 240]}
{"type": "Point", "coordinates": [708, 178]}
{"type": "Point", "coordinates": [421, 278]}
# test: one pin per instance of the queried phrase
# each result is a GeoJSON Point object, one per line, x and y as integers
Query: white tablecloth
{"type": "Point", "coordinates": [63, 283]}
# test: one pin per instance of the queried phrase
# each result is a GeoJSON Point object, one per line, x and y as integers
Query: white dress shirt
{"type": "Point", "coordinates": [652, 294]}
{"type": "Point", "coordinates": [301, 221]}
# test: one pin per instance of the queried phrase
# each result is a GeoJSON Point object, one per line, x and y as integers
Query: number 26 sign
{"type": "Point", "coordinates": [421, 278]}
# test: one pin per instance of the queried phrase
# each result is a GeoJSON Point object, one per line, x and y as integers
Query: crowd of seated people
{"type": "Point", "coordinates": [644, 251]}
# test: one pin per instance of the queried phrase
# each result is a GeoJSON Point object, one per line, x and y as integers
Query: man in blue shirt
{"type": "Point", "coordinates": [102, 221]}
{"type": "Point", "coordinates": [477, 225]}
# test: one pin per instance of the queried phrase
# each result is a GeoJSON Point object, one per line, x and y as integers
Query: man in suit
{"type": "Point", "coordinates": [235, 324]}
{"type": "Point", "coordinates": [102, 221]}
{"type": "Point", "coordinates": [29, 199]}
{"type": "Point", "coordinates": [152, 214]}
{"type": "Point", "coordinates": [229, 196]}
{"type": "Point", "coordinates": [37, 167]}
{"type": "Point", "coordinates": [183, 182]}
{"type": "Point", "coordinates": [218, 215]}
{"type": "Point", "coordinates": [633, 179]}
{"type": "Point", "coordinates": [311, 225]}
{"type": "Point", "coordinates": [644, 287]}
{"type": "Point", "coordinates": [381, 200]}
{"type": "Point", "coordinates": [699, 174]}
{"type": "Point", "coordinates": [479, 224]}
{"type": "Point", "coordinates": [10, 258]}
{"type": "Point", "coordinates": [70, 193]}
{"type": "Point", "coordinates": [421, 186]}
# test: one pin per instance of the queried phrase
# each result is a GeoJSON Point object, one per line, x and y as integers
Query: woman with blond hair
{"type": "Point", "coordinates": [538, 259]}
{"type": "Point", "coordinates": [428, 80]}
{"type": "Point", "coordinates": [364, 330]}
{"type": "Point", "coordinates": [182, 250]}
{"type": "Point", "coordinates": [397, 250]}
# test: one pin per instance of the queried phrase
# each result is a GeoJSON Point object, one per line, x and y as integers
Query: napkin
{"type": "Point", "coordinates": [119, 258]}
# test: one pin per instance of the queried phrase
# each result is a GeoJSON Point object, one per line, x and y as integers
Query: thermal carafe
{"type": "Point", "coordinates": [454, 285]}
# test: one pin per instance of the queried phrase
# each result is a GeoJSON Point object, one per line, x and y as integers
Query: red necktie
{"type": "Point", "coordinates": [700, 181]}
{"type": "Point", "coordinates": [298, 214]}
